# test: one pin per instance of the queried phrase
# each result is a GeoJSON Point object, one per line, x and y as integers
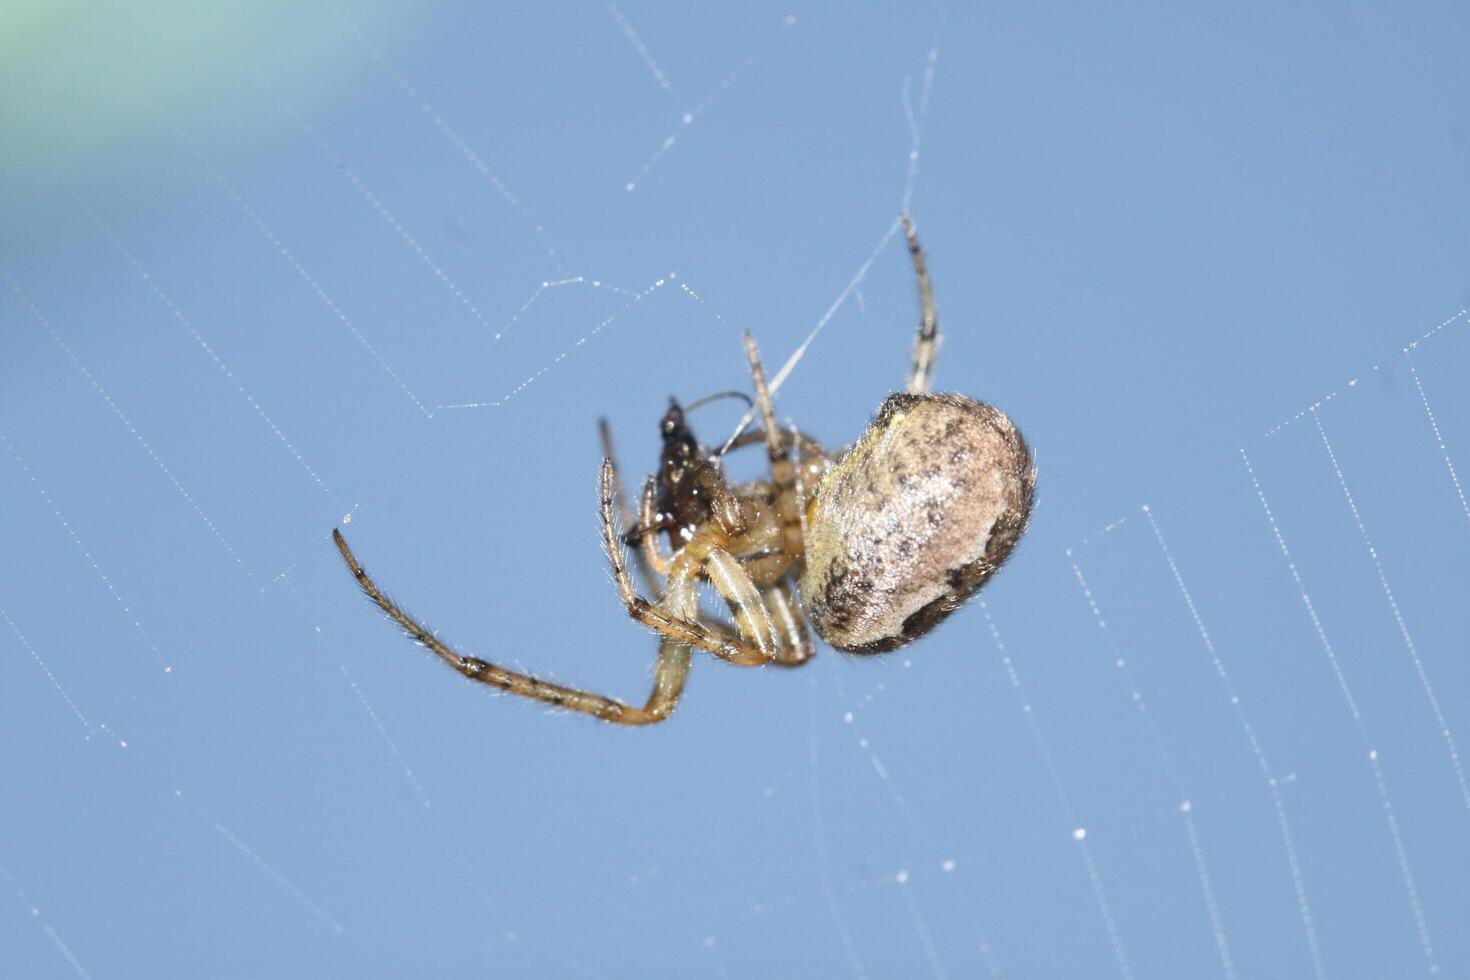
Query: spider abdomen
{"type": "Point", "coordinates": [913, 519]}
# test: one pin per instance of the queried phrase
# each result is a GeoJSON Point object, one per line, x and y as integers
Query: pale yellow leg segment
{"type": "Point", "coordinates": [735, 587]}
{"type": "Point", "coordinates": [648, 541]}
{"type": "Point", "coordinates": [796, 641]}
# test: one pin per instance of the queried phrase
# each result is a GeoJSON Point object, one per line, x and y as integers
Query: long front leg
{"type": "Point", "coordinates": [668, 681]}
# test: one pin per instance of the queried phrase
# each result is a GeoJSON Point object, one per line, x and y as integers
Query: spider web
{"type": "Point", "coordinates": [1209, 723]}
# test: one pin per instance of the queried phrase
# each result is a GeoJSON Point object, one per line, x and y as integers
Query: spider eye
{"type": "Point", "coordinates": [913, 520]}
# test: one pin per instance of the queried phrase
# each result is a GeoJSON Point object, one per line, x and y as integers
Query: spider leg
{"type": "Point", "coordinates": [783, 472]}
{"type": "Point", "coordinates": [767, 617]}
{"type": "Point", "coordinates": [667, 618]}
{"type": "Point", "coordinates": [752, 436]}
{"type": "Point", "coordinates": [648, 568]}
{"type": "Point", "coordinates": [752, 618]}
{"type": "Point", "coordinates": [796, 646]}
{"type": "Point", "coordinates": [648, 546]}
{"type": "Point", "coordinates": [668, 681]}
{"type": "Point", "coordinates": [604, 435]}
{"type": "Point", "coordinates": [775, 444]}
{"type": "Point", "coordinates": [926, 346]}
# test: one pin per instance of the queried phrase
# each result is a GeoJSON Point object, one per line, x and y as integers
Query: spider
{"type": "Point", "coordinates": [872, 546]}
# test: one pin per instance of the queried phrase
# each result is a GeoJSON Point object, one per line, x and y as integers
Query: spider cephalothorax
{"type": "Point", "coordinates": [873, 546]}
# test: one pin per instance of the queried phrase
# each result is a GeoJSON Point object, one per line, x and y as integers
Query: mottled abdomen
{"type": "Point", "coordinates": [913, 519]}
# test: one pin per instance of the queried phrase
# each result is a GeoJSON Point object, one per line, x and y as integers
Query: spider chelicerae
{"type": "Point", "coordinates": [871, 546]}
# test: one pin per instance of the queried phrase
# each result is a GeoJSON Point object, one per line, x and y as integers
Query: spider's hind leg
{"type": "Point", "coordinates": [778, 448]}
{"type": "Point", "coordinates": [926, 345]}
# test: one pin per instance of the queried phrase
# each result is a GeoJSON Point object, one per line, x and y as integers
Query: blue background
{"type": "Point", "coordinates": [249, 257]}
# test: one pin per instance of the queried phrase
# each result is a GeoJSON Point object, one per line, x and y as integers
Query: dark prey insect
{"type": "Point", "coordinates": [872, 546]}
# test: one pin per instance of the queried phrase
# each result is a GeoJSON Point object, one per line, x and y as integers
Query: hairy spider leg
{"type": "Point", "coordinates": [604, 435]}
{"type": "Point", "coordinates": [648, 569]}
{"type": "Point", "coordinates": [783, 473]}
{"type": "Point", "coordinates": [796, 437]}
{"type": "Point", "coordinates": [668, 682]}
{"type": "Point", "coordinates": [926, 345]}
{"type": "Point", "coordinates": [648, 538]}
{"type": "Point", "coordinates": [752, 618]}
{"type": "Point", "coordinates": [687, 564]}
{"type": "Point", "coordinates": [795, 647]}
